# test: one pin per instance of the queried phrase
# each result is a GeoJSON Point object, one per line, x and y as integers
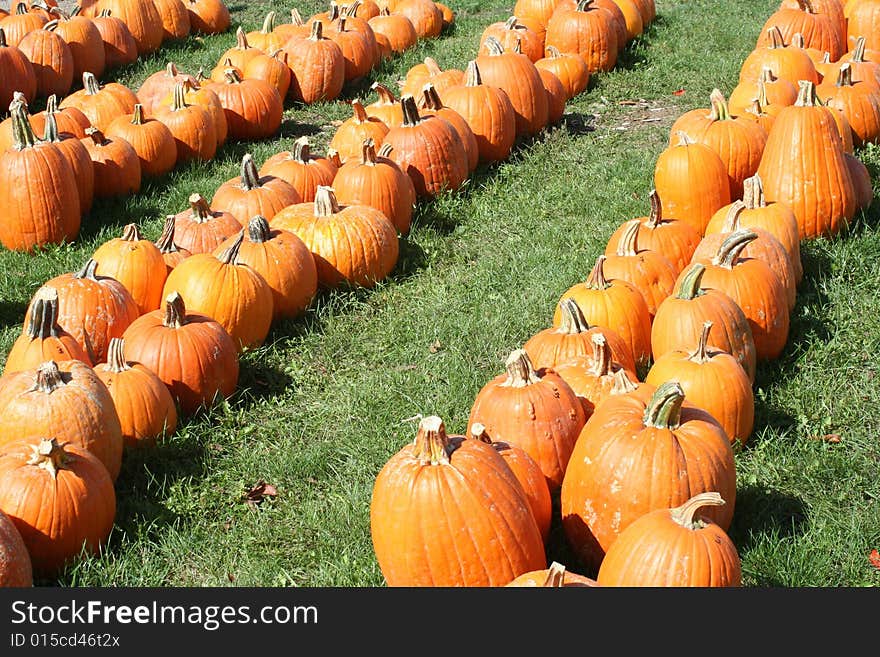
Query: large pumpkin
{"type": "Point", "coordinates": [143, 21]}
{"type": "Point", "coordinates": [135, 262]}
{"type": "Point", "coordinates": [317, 67]}
{"type": "Point", "coordinates": [304, 170]}
{"type": "Point", "coordinates": [152, 140]}
{"type": "Point", "coordinates": [77, 155]}
{"type": "Point", "coordinates": [16, 73]}
{"type": "Point", "coordinates": [15, 562]}
{"type": "Point", "coordinates": [194, 126]}
{"type": "Point", "coordinates": [51, 58]}
{"type": "Point", "coordinates": [588, 30]}
{"type": "Point", "coordinates": [101, 103]}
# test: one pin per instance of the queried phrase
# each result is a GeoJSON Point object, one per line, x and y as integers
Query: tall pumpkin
{"type": "Point", "coordinates": [317, 67]}
{"type": "Point", "coordinates": [349, 137]}
{"type": "Point", "coordinates": [152, 140]}
{"type": "Point", "coordinates": [193, 125]}
{"type": "Point", "coordinates": [120, 48]}
{"type": "Point", "coordinates": [143, 21]}
{"type": "Point", "coordinates": [101, 103]}
{"type": "Point", "coordinates": [587, 30]}
{"type": "Point", "coordinates": [77, 155]}
{"type": "Point", "coordinates": [16, 73]}
{"type": "Point", "coordinates": [51, 58]}
{"type": "Point", "coordinates": [135, 262]}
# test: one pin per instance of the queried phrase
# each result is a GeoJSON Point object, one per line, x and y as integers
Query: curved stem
{"type": "Point", "coordinates": [597, 281]}
{"type": "Point", "coordinates": [360, 112]}
{"type": "Point", "coordinates": [90, 84]}
{"type": "Point", "coordinates": [520, 371]}
{"type": "Point", "coordinates": [88, 270]}
{"type": "Point", "coordinates": [97, 136]}
{"type": "Point", "coordinates": [844, 75]}
{"type": "Point", "coordinates": [493, 46]}
{"type": "Point", "coordinates": [269, 23]}
{"type": "Point", "coordinates": [175, 311]}
{"type": "Point", "coordinates": [432, 66]}
{"type": "Point", "coordinates": [731, 219]}
{"type": "Point", "coordinates": [622, 383]}
{"type": "Point", "coordinates": [701, 353]}
{"type": "Point", "coordinates": [116, 356]}
{"type": "Point", "coordinates": [259, 231]}
{"type": "Point", "coordinates": [753, 194]}
{"type": "Point", "coordinates": [229, 255]}
{"type": "Point", "coordinates": [22, 132]}
{"type": "Point", "coordinates": [368, 152]}
{"type": "Point", "coordinates": [683, 138]}
{"type": "Point", "coordinates": [200, 209]}
{"type": "Point", "coordinates": [478, 432]}
{"type": "Point", "coordinates": [601, 355]}
{"type": "Point", "coordinates": [689, 288]}
{"type": "Point", "coordinates": [302, 151]}
{"type": "Point", "coordinates": [732, 247]}
{"type": "Point", "coordinates": [386, 97]}
{"type": "Point", "coordinates": [572, 320]}
{"type": "Point", "coordinates": [555, 576]}
{"type": "Point", "coordinates": [43, 320]}
{"type": "Point", "coordinates": [49, 455]}
{"type": "Point", "coordinates": [684, 514]}
{"type": "Point", "coordinates": [776, 40]}
{"type": "Point", "coordinates": [664, 409]}
{"type": "Point", "coordinates": [131, 233]}
{"type": "Point", "coordinates": [326, 204]}
{"type": "Point", "coordinates": [584, 5]}
{"type": "Point", "coordinates": [626, 245]}
{"type": "Point", "coordinates": [472, 75]}
{"type": "Point", "coordinates": [430, 98]}
{"type": "Point", "coordinates": [296, 17]}
{"type": "Point", "coordinates": [165, 243]}
{"type": "Point", "coordinates": [241, 42]}
{"type": "Point", "coordinates": [720, 110]}
{"type": "Point", "coordinates": [48, 377]}
{"type": "Point", "coordinates": [431, 443]}
{"type": "Point", "coordinates": [656, 216]}
{"type": "Point", "coordinates": [250, 177]}
{"type": "Point", "coordinates": [385, 150]}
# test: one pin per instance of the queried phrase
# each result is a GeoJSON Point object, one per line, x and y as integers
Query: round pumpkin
{"type": "Point", "coordinates": [15, 562]}
{"type": "Point", "coordinates": [201, 228]}
{"type": "Point", "coordinates": [16, 73]}
{"type": "Point", "coordinates": [193, 125]}
{"type": "Point", "coordinates": [135, 262]}
{"type": "Point", "coordinates": [101, 103]}
{"type": "Point", "coordinates": [151, 139]}
{"type": "Point", "coordinates": [251, 194]}
{"type": "Point", "coordinates": [555, 576]}
{"type": "Point", "coordinates": [301, 168]}
{"type": "Point", "coordinates": [120, 48]}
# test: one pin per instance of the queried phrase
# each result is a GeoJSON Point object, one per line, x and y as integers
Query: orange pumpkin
{"type": "Point", "coordinates": [588, 30]}
{"type": "Point", "coordinates": [304, 170]}
{"type": "Point", "coordinates": [250, 194]}
{"type": "Point", "coordinates": [120, 48]}
{"type": "Point", "coordinates": [101, 103]}
{"type": "Point", "coordinates": [157, 86]}
{"type": "Point", "coordinates": [15, 562]}
{"type": "Point", "coordinates": [253, 108]}
{"type": "Point", "coordinates": [555, 576]}
{"type": "Point", "coordinates": [317, 67]}
{"type": "Point", "coordinates": [201, 228]}
{"type": "Point", "coordinates": [116, 164]}
{"type": "Point", "coordinates": [349, 137]}
{"type": "Point", "coordinates": [51, 59]}
{"type": "Point", "coordinates": [785, 62]}
{"type": "Point", "coordinates": [431, 105]}
{"type": "Point", "coordinates": [570, 68]}
{"type": "Point", "coordinates": [152, 140]}
{"type": "Point", "coordinates": [135, 262]}
{"type": "Point", "coordinates": [511, 33]}
{"type": "Point", "coordinates": [192, 124]}
{"type": "Point", "coordinates": [16, 73]}
{"type": "Point", "coordinates": [172, 254]}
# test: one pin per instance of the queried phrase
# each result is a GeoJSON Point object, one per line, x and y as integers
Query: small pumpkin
{"type": "Point", "coordinates": [784, 62]}
{"type": "Point", "coordinates": [135, 262]}
{"type": "Point", "coordinates": [208, 16]}
{"type": "Point", "coordinates": [431, 105]}
{"type": "Point", "coordinates": [101, 103]}
{"type": "Point", "coordinates": [386, 108]}
{"type": "Point", "coordinates": [16, 569]}
{"type": "Point", "coordinates": [511, 32]}
{"type": "Point", "coordinates": [570, 68]}
{"type": "Point", "coordinates": [251, 194]}
{"type": "Point", "coordinates": [151, 139]}
{"type": "Point", "coordinates": [191, 124]}
{"type": "Point", "coordinates": [349, 137]}
{"type": "Point", "coordinates": [271, 68]}
{"type": "Point", "coordinates": [116, 163]}
{"type": "Point", "coordinates": [201, 228]}
{"type": "Point", "coordinates": [397, 28]}
{"type": "Point", "coordinates": [858, 101]}
{"type": "Point", "coordinates": [556, 576]}
{"type": "Point", "coordinates": [304, 170]}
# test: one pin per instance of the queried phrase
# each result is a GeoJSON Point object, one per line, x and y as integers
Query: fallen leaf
{"type": "Point", "coordinates": [678, 92]}
{"type": "Point", "coordinates": [830, 438]}
{"type": "Point", "coordinates": [435, 347]}
{"type": "Point", "coordinates": [230, 577]}
{"type": "Point", "coordinates": [259, 492]}
{"type": "Point", "coordinates": [874, 558]}
{"type": "Point", "coordinates": [628, 102]}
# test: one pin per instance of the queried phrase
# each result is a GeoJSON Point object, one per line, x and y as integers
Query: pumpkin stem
{"type": "Point", "coordinates": [351, 9]}
{"type": "Point", "coordinates": [137, 117]}
{"type": "Point", "coordinates": [472, 75]}
{"type": "Point", "coordinates": [432, 66]}
{"type": "Point", "coordinates": [858, 55]}
{"type": "Point", "coordinates": [410, 111]}
{"type": "Point", "coordinates": [97, 136]}
{"type": "Point", "coordinates": [478, 432]}
{"type": "Point", "coordinates": [326, 204]}
{"type": "Point", "coordinates": [250, 177]}
{"type": "Point", "coordinates": [844, 76]}
{"type": "Point", "coordinates": [664, 409]}
{"type": "Point", "coordinates": [627, 244]}
{"type": "Point", "coordinates": [229, 255]}
{"type": "Point", "coordinates": [333, 156]}
{"type": "Point", "coordinates": [51, 25]}
{"type": "Point", "coordinates": [49, 455]}
{"type": "Point", "coordinates": [584, 5]}
{"type": "Point", "coordinates": [386, 96]}
{"type": "Point", "coordinates": [175, 311]}
{"type": "Point", "coordinates": [301, 150]}
{"type": "Point", "coordinates": [572, 320]}
{"type": "Point", "coordinates": [691, 279]}
{"type": "Point", "coordinates": [131, 233]}
{"type": "Point", "coordinates": [597, 280]}
{"type": "Point", "coordinates": [241, 42]}
{"type": "Point", "coordinates": [807, 94]}
{"type": "Point", "coordinates": [720, 110]}
{"type": "Point", "coordinates": [232, 75]}
{"type": "Point", "coordinates": [807, 6]}
{"type": "Point", "coordinates": [360, 112]}
{"type": "Point", "coordinates": [385, 150]}
{"type": "Point", "coordinates": [165, 243]}
{"type": "Point", "coordinates": [116, 356]}
{"type": "Point", "coordinates": [368, 152]}
{"type": "Point", "coordinates": [701, 353]}
{"type": "Point", "coordinates": [431, 444]}
{"type": "Point", "coordinates": [767, 75]}
{"type": "Point", "coordinates": [622, 384]}
{"type": "Point", "coordinates": [90, 84]}
{"type": "Point", "coordinates": [656, 216]}
{"type": "Point", "coordinates": [48, 378]}
{"type": "Point", "coordinates": [732, 247]}
{"type": "Point", "coordinates": [317, 31]}
{"type": "Point", "coordinates": [88, 271]}
{"type": "Point", "coordinates": [269, 23]}
{"type": "Point", "coordinates": [776, 40]}
{"type": "Point", "coordinates": [683, 138]}
{"type": "Point", "coordinates": [684, 514]}
{"type": "Point", "coordinates": [22, 132]}
{"type": "Point", "coordinates": [520, 371]}
{"type": "Point", "coordinates": [50, 133]}
{"type": "Point", "coordinates": [258, 229]}
{"type": "Point", "coordinates": [731, 220]}
{"type": "Point", "coordinates": [430, 98]}
{"type": "Point", "coordinates": [200, 208]}
{"type": "Point", "coordinates": [296, 17]}
{"type": "Point", "coordinates": [601, 355]}
{"type": "Point", "coordinates": [753, 195]}
{"type": "Point", "coordinates": [493, 46]}
{"type": "Point", "coordinates": [555, 575]}
{"type": "Point", "coordinates": [3, 43]}
{"type": "Point", "coordinates": [43, 321]}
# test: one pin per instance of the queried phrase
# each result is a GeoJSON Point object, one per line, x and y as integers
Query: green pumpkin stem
{"type": "Point", "coordinates": [326, 204]}
{"type": "Point", "coordinates": [555, 576]}
{"type": "Point", "coordinates": [720, 110]}
{"type": "Point", "coordinates": [22, 132]}
{"type": "Point", "coordinates": [601, 355]}
{"type": "Point", "coordinates": [43, 320]}
{"type": "Point", "coordinates": [50, 132]}
{"type": "Point", "coordinates": [410, 111]}
{"type": "Point", "coordinates": [596, 280]}
{"type": "Point", "coordinates": [732, 247]}
{"type": "Point", "coordinates": [259, 230]}
{"type": "Point", "coordinates": [627, 245]}
{"type": "Point", "coordinates": [689, 288]}
{"type": "Point", "coordinates": [431, 443]}
{"type": "Point", "coordinates": [472, 75]}
{"type": "Point", "coordinates": [572, 320]}
{"type": "Point", "coordinates": [731, 219]}
{"type": "Point", "coordinates": [250, 177]}
{"type": "Point", "coordinates": [520, 372]}
{"type": "Point", "coordinates": [684, 514]}
{"type": "Point", "coordinates": [664, 409]}
{"type": "Point", "coordinates": [49, 455]}
{"type": "Point", "coordinates": [229, 255]}
{"type": "Point", "coordinates": [48, 377]}
{"type": "Point", "coordinates": [701, 353]}
{"type": "Point", "coordinates": [175, 311]}
{"type": "Point", "coordinates": [116, 356]}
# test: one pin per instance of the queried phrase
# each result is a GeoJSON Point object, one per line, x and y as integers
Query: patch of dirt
{"type": "Point", "coordinates": [635, 114]}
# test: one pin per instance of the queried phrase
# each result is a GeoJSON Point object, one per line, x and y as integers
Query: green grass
{"type": "Point", "coordinates": [330, 396]}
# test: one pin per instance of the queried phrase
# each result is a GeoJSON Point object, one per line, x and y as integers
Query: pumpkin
{"type": "Point", "coordinates": [224, 287]}
{"type": "Point", "coordinates": [862, 67]}
{"type": "Point", "coordinates": [588, 30]}
{"type": "Point", "coordinates": [570, 68]}
{"type": "Point", "coordinates": [143, 21]}
{"type": "Point", "coordinates": [271, 68]}
{"type": "Point", "coordinates": [84, 40]}
{"type": "Point", "coordinates": [51, 58]}
{"type": "Point", "coordinates": [120, 48]}
{"type": "Point", "coordinates": [157, 86]}
{"type": "Point", "coordinates": [431, 105]}
{"type": "Point", "coordinates": [489, 113]}
{"type": "Point", "coordinates": [354, 244]}
{"type": "Point", "coordinates": [151, 139]}
{"type": "Point", "coordinates": [692, 180]}
{"type": "Point", "coordinates": [77, 155]}
{"type": "Point", "coordinates": [528, 474]}
{"type": "Point", "coordinates": [93, 309]}
{"type": "Point", "coordinates": [172, 254]}
{"type": "Point", "coordinates": [425, 15]}
{"type": "Point", "coordinates": [52, 215]}
{"type": "Point", "coordinates": [533, 409]}
{"type": "Point", "coordinates": [769, 88]}
{"type": "Point", "coordinates": [540, 10]}
{"type": "Point", "coordinates": [41, 338]}
{"type": "Point", "coordinates": [864, 190]}
{"type": "Point", "coordinates": [618, 19]}
{"type": "Point", "coordinates": [556, 96]}
{"type": "Point", "coordinates": [785, 62]}
{"type": "Point", "coordinates": [819, 191]}
{"type": "Point", "coordinates": [858, 101]}
{"type": "Point", "coordinates": [649, 271]}
{"type": "Point", "coordinates": [266, 38]}
{"type": "Point", "coordinates": [358, 46]}
{"type": "Point", "coordinates": [191, 353]}
{"type": "Point", "coordinates": [59, 497]}
{"type": "Point", "coordinates": [283, 260]}
{"type": "Point", "coordinates": [399, 30]}
{"type": "Point", "coordinates": [317, 67]}
{"type": "Point", "coordinates": [761, 112]}
{"type": "Point", "coordinates": [208, 16]}
{"type": "Point", "coordinates": [192, 125]}
{"type": "Point", "coordinates": [195, 93]}
{"type": "Point", "coordinates": [518, 76]}
{"type": "Point", "coordinates": [15, 562]}
{"type": "Point", "coordinates": [201, 229]}
{"type": "Point", "coordinates": [174, 18]}
{"type": "Point", "coordinates": [833, 9]}
{"type": "Point", "coordinates": [482, 533]}
{"type": "Point", "coordinates": [632, 16]}
{"type": "Point", "coordinates": [296, 27]}
{"type": "Point", "coordinates": [250, 194]}
{"type": "Point", "coordinates": [69, 120]}
{"type": "Point", "coordinates": [22, 22]}
{"type": "Point", "coordinates": [775, 218]}
{"type": "Point", "coordinates": [66, 400]}
{"type": "Point", "coordinates": [555, 576]}
{"type": "Point", "coordinates": [101, 103]}
{"type": "Point", "coordinates": [383, 45]}
{"type": "Point", "coordinates": [863, 19]}
{"type": "Point", "coordinates": [116, 163]}
{"type": "Point", "coordinates": [573, 338]}
{"type": "Point", "coordinates": [663, 445]}
{"type": "Point", "coordinates": [16, 73]}
{"type": "Point", "coordinates": [387, 108]}
{"type": "Point", "coordinates": [362, 9]}
{"type": "Point", "coordinates": [818, 30]}
{"type": "Point", "coordinates": [301, 169]}
{"type": "Point", "coordinates": [616, 304]}
{"type": "Point", "coordinates": [429, 150]}
{"type": "Point", "coordinates": [673, 547]}
{"type": "Point", "coordinates": [379, 182]}
{"type": "Point", "coordinates": [511, 33]}
{"type": "Point", "coordinates": [135, 262]}
{"type": "Point", "coordinates": [253, 108]}
{"type": "Point", "coordinates": [429, 71]}
{"type": "Point", "coordinates": [349, 137]}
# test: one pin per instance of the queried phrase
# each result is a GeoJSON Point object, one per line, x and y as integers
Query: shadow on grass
{"type": "Point", "coordinates": [762, 511]}
{"type": "Point", "coordinates": [11, 313]}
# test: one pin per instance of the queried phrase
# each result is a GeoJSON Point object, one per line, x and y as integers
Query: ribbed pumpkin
{"type": "Point", "coordinates": [540, 10]}
{"type": "Point", "coordinates": [776, 218]}
{"type": "Point", "coordinates": [208, 16]}
{"type": "Point", "coordinates": [195, 93]}
{"type": "Point", "coordinates": [116, 164]}
{"type": "Point", "coordinates": [650, 272]}
{"type": "Point", "coordinates": [665, 447]}
{"type": "Point", "coordinates": [16, 73]}
{"type": "Point", "coordinates": [511, 33]}
{"type": "Point", "coordinates": [41, 338]}
{"type": "Point", "coordinates": [250, 194]}
{"type": "Point", "coordinates": [296, 27]}
{"type": "Point", "coordinates": [673, 547]}
{"type": "Point", "coordinates": [101, 103]}
{"type": "Point", "coordinates": [51, 58]}
{"type": "Point", "coordinates": [386, 108]}
{"type": "Point", "coordinates": [284, 262]}
{"type": "Point", "coordinates": [713, 380]}
{"type": "Point", "coordinates": [266, 39]}
{"type": "Point", "coordinates": [771, 89]}
{"type": "Point", "coordinates": [489, 113]}
{"type": "Point", "coordinates": [271, 68]}
{"type": "Point", "coordinates": [785, 62]}
{"type": "Point", "coordinates": [528, 474]}
{"type": "Point", "coordinates": [15, 562]}
{"type": "Point", "coordinates": [618, 19]}
{"type": "Point", "coordinates": [431, 105]}
{"type": "Point", "coordinates": [69, 120]}
{"type": "Point", "coordinates": [192, 125]}
{"type": "Point", "coordinates": [172, 254]}
{"type": "Point", "coordinates": [556, 576]}
{"type": "Point", "coordinates": [32, 220]}
{"type": "Point", "coordinates": [399, 30]}
{"type": "Point", "coordinates": [60, 498]}
{"type": "Point", "coordinates": [301, 168]}
{"type": "Point", "coordinates": [77, 155]}
{"type": "Point", "coordinates": [819, 191]}
{"type": "Point", "coordinates": [66, 400]}
{"type": "Point", "coordinates": [354, 244]}
{"type": "Point", "coordinates": [135, 262]}
{"type": "Point", "coordinates": [120, 48]}
{"type": "Point", "coordinates": [362, 9]}
{"type": "Point", "coordinates": [93, 309]}
{"type": "Point", "coordinates": [429, 71]}
{"type": "Point", "coordinates": [201, 228]}
{"type": "Point", "coordinates": [616, 304]}
{"type": "Point", "coordinates": [175, 19]}
{"type": "Point", "coordinates": [223, 287]}
{"type": "Point", "coordinates": [253, 108]}
{"type": "Point", "coordinates": [191, 353]}
{"type": "Point", "coordinates": [692, 180]}
{"type": "Point", "coordinates": [858, 101]}
{"type": "Point", "coordinates": [317, 67]}
{"type": "Point", "coordinates": [556, 96]}
{"type": "Point", "coordinates": [425, 15]}
{"type": "Point", "coordinates": [22, 22]}
{"type": "Point", "coordinates": [833, 9]}
{"type": "Point", "coordinates": [349, 137]}
{"type": "Point", "coordinates": [151, 139]}
{"type": "Point", "coordinates": [818, 30]}
{"type": "Point", "coordinates": [143, 402]}
{"type": "Point", "coordinates": [572, 338]}
{"type": "Point", "coordinates": [533, 409]}
{"type": "Point", "coordinates": [482, 533]}
{"type": "Point", "coordinates": [863, 67]}
{"type": "Point", "coordinates": [862, 184]}
{"type": "Point", "coordinates": [359, 49]}
{"type": "Point", "coordinates": [428, 149]}
{"type": "Point", "coordinates": [517, 75]}
{"type": "Point", "coordinates": [588, 30]}
{"type": "Point", "coordinates": [84, 40]}
{"type": "Point", "coordinates": [157, 86]}
{"type": "Point", "coordinates": [379, 182]}
{"type": "Point", "coordinates": [570, 68]}
{"type": "Point", "coordinates": [143, 21]}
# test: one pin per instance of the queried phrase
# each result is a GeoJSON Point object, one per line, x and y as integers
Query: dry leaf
{"type": "Point", "coordinates": [258, 492]}
{"type": "Point", "coordinates": [435, 347]}
{"type": "Point", "coordinates": [628, 102]}
{"type": "Point", "coordinates": [828, 438]}
{"type": "Point", "coordinates": [230, 577]}
{"type": "Point", "coordinates": [874, 558]}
